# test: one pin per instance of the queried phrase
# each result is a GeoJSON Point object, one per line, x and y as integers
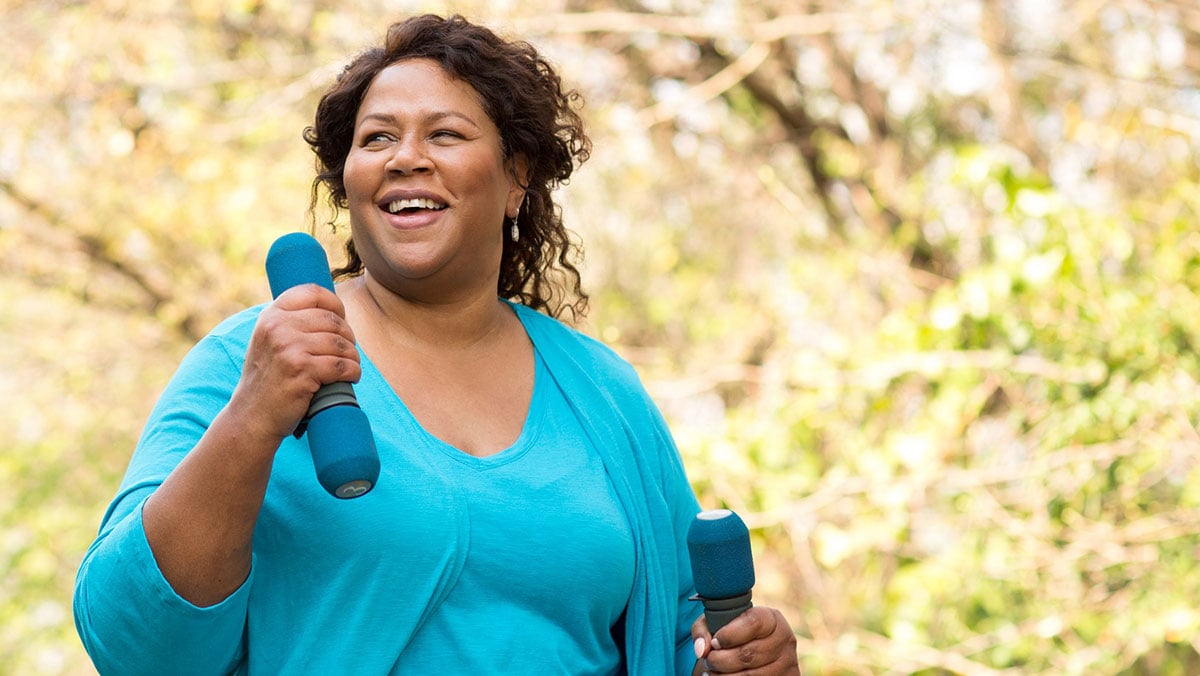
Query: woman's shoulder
{"type": "Point", "coordinates": [230, 336]}
{"type": "Point", "coordinates": [558, 343]}
{"type": "Point", "coordinates": [237, 324]}
{"type": "Point", "coordinates": [236, 327]}
{"type": "Point", "coordinates": [542, 327]}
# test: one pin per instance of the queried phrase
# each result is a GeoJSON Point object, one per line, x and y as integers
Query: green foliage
{"type": "Point", "coordinates": [917, 293]}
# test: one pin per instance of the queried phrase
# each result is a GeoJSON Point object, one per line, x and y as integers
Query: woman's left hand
{"type": "Point", "coordinates": [758, 642]}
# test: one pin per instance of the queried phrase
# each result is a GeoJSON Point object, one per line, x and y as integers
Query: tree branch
{"type": "Point", "coordinates": [771, 30]}
{"type": "Point", "coordinates": [98, 252]}
{"type": "Point", "coordinates": [727, 78]}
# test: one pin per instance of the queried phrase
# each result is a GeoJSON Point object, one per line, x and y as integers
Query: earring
{"type": "Point", "coordinates": [513, 232]}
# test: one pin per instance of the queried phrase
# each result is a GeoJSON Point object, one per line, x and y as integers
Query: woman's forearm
{"type": "Point", "coordinates": [200, 521]}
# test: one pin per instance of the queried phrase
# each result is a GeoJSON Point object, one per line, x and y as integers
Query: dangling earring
{"type": "Point", "coordinates": [514, 233]}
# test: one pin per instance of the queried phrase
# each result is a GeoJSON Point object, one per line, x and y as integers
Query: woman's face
{"type": "Point", "coordinates": [427, 184]}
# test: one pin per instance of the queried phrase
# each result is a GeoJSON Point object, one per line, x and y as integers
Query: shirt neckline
{"type": "Point", "coordinates": [524, 441]}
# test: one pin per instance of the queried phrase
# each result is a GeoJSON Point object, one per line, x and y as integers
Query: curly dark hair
{"type": "Point", "coordinates": [537, 118]}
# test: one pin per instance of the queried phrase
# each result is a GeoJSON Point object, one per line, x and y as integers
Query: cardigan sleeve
{"type": "Point", "coordinates": [684, 507]}
{"type": "Point", "coordinates": [129, 618]}
{"type": "Point", "coordinates": [132, 622]}
{"type": "Point", "coordinates": [654, 437]}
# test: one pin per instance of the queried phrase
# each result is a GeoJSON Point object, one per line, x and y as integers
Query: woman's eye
{"type": "Point", "coordinates": [446, 134]}
{"type": "Point", "coordinates": [375, 139]}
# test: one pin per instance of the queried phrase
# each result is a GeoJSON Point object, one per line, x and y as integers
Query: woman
{"type": "Point", "coordinates": [531, 511]}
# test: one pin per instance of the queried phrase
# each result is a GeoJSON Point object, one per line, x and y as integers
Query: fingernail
{"type": "Point", "coordinates": [715, 644]}
{"type": "Point", "coordinates": [699, 647]}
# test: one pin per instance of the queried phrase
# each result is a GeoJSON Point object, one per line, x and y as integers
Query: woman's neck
{"type": "Point", "coordinates": [448, 324]}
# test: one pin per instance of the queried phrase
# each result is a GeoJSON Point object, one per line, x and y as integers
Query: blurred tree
{"type": "Point", "coordinates": [915, 282]}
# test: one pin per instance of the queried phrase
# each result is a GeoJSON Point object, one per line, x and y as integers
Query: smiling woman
{"type": "Point", "coordinates": [531, 511]}
{"type": "Point", "coordinates": [536, 118]}
{"type": "Point", "coordinates": [440, 149]}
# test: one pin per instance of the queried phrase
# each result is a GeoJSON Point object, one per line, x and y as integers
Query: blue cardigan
{"type": "Point", "coordinates": [336, 585]}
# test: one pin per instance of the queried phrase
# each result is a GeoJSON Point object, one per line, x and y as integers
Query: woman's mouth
{"type": "Point", "coordinates": [413, 205]}
{"type": "Point", "coordinates": [412, 212]}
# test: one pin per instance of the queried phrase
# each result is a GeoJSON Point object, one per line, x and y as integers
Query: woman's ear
{"type": "Point", "coordinates": [518, 171]}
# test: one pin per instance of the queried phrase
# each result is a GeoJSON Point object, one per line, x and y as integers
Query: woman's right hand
{"type": "Point", "coordinates": [300, 342]}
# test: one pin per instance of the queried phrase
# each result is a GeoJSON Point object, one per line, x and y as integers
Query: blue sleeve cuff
{"type": "Point", "coordinates": [132, 622]}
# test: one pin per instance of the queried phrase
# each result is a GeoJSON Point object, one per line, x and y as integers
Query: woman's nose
{"type": "Point", "coordinates": [408, 156]}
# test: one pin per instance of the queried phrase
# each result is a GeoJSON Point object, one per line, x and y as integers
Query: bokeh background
{"type": "Point", "coordinates": [915, 283]}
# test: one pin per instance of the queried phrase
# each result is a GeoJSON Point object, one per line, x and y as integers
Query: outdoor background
{"type": "Point", "coordinates": [916, 284]}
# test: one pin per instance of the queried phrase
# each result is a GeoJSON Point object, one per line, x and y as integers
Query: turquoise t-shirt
{"type": "Point", "coordinates": [550, 560]}
{"type": "Point", "coordinates": [349, 586]}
